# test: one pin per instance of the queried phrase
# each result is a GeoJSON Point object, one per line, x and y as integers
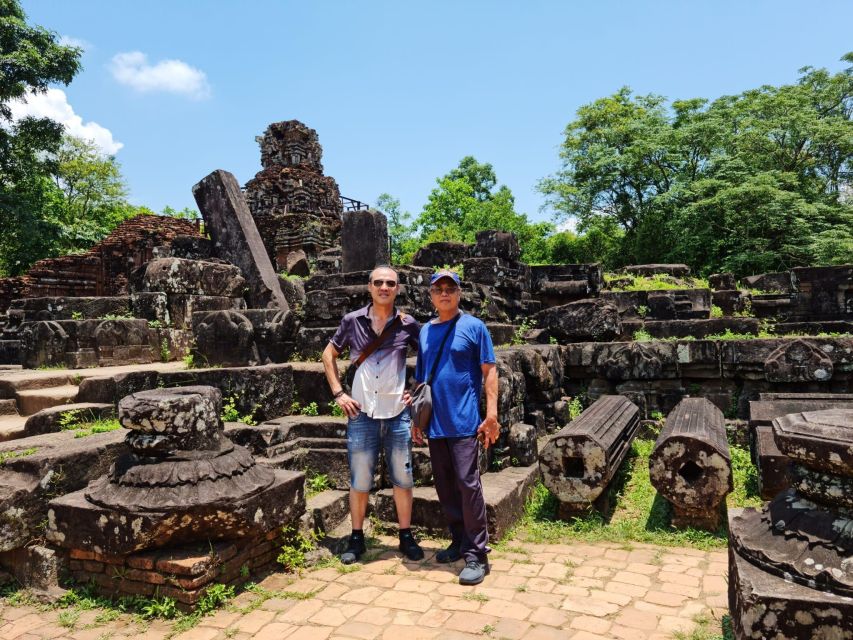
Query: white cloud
{"type": "Point", "coordinates": [53, 104]}
{"type": "Point", "coordinates": [172, 76]}
{"type": "Point", "coordinates": [70, 41]}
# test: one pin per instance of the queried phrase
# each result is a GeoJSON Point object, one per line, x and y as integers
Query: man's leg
{"type": "Point", "coordinates": [465, 452]}
{"type": "Point", "coordinates": [362, 452]}
{"type": "Point", "coordinates": [444, 479]}
{"type": "Point", "coordinates": [397, 441]}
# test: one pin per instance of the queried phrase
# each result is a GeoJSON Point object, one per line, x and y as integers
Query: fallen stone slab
{"type": "Point", "coordinates": [505, 493]}
{"type": "Point", "coordinates": [235, 235]}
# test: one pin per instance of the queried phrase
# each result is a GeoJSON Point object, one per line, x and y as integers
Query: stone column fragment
{"type": "Point", "coordinates": [233, 231]}
{"type": "Point", "coordinates": [364, 240]}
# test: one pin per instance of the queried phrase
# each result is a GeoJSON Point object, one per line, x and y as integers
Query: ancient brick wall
{"type": "Point", "coordinates": [10, 289]}
{"type": "Point", "coordinates": [104, 269]}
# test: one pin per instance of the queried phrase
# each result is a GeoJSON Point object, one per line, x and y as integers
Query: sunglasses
{"type": "Point", "coordinates": [450, 290]}
{"type": "Point", "coordinates": [388, 283]}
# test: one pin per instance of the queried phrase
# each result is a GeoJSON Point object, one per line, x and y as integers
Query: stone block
{"type": "Point", "coordinates": [496, 244]}
{"type": "Point", "coordinates": [505, 493]}
{"type": "Point", "coordinates": [581, 321]}
{"type": "Point", "coordinates": [439, 254]}
{"type": "Point", "coordinates": [364, 240]}
{"type": "Point", "coordinates": [195, 277]}
{"type": "Point", "coordinates": [765, 605]}
{"type": "Point", "coordinates": [722, 281]}
{"type": "Point", "coordinates": [523, 447]}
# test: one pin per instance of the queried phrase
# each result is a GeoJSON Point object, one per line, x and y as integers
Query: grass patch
{"type": "Point", "coordinates": [10, 455]}
{"type": "Point", "coordinates": [639, 514]}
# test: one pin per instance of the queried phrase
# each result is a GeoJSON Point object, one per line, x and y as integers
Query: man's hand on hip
{"type": "Point", "coordinates": [349, 406]}
{"type": "Point", "coordinates": [488, 431]}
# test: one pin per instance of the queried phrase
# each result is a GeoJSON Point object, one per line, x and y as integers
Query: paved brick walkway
{"type": "Point", "coordinates": [559, 592]}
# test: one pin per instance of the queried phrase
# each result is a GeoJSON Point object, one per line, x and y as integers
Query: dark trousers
{"type": "Point", "coordinates": [457, 483]}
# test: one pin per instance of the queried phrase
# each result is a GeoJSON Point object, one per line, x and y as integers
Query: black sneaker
{"type": "Point", "coordinates": [355, 549]}
{"type": "Point", "coordinates": [410, 547]}
{"type": "Point", "coordinates": [451, 554]}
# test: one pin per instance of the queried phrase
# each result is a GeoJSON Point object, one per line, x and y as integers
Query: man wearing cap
{"type": "Point", "coordinates": [376, 409]}
{"type": "Point", "coordinates": [466, 363]}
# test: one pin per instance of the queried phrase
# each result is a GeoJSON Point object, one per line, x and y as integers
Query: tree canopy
{"type": "Point", "coordinates": [756, 182]}
{"type": "Point", "coordinates": [466, 200]}
{"type": "Point", "coordinates": [58, 194]}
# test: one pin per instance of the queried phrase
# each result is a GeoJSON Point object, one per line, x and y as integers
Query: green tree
{"type": "Point", "coordinates": [400, 231]}
{"type": "Point", "coordinates": [748, 183]}
{"type": "Point", "coordinates": [30, 60]}
{"type": "Point", "coordinates": [466, 201]}
{"type": "Point", "coordinates": [93, 196]}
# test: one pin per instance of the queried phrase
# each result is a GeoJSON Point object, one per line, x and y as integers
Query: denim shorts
{"type": "Point", "coordinates": [363, 438]}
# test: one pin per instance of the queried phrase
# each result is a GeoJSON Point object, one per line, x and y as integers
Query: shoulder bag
{"type": "Point", "coordinates": [421, 393]}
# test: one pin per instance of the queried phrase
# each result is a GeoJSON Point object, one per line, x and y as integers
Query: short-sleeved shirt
{"type": "Point", "coordinates": [381, 379]}
{"type": "Point", "coordinates": [459, 378]}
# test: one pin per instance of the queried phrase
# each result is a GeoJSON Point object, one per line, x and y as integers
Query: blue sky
{"type": "Point", "coordinates": [400, 91]}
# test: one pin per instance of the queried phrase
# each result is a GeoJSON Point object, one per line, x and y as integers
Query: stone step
{"type": "Point", "coordinates": [44, 381]}
{"type": "Point", "coordinates": [505, 493]}
{"type": "Point", "coordinates": [12, 427]}
{"type": "Point", "coordinates": [325, 511]}
{"type": "Point", "coordinates": [8, 407]}
{"type": "Point", "coordinates": [31, 401]}
{"type": "Point", "coordinates": [49, 420]}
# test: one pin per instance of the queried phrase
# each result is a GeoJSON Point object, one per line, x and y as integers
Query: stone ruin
{"type": "Point", "coordinates": [234, 304]}
{"type": "Point", "coordinates": [791, 562]}
{"type": "Point", "coordinates": [296, 207]}
{"type": "Point", "coordinates": [131, 531]}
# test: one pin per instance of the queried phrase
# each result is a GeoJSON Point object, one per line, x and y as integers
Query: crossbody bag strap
{"type": "Point", "coordinates": [441, 349]}
{"type": "Point", "coordinates": [373, 346]}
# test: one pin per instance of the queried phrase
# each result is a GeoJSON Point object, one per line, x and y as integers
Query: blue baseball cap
{"type": "Point", "coordinates": [445, 273]}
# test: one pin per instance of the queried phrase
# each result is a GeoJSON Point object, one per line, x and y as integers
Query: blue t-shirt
{"type": "Point", "coordinates": [459, 377]}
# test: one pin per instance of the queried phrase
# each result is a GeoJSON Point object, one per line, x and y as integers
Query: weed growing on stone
{"type": "Point", "coordinates": [716, 312]}
{"type": "Point", "coordinates": [230, 413]}
{"type": "Point", "coordinates": [315, 482]}
{"type": "Point", "coordinates": [165, 351]}
{"type": "Point", "coordinates": [311, 409]}
{"type": "Point", "coordinates": [296, 545]}
{"type": "Point", "coordinates": [9, 455]}
{"type": "Point", "coordinates": [641, 335]}
{"type": "Point", "coordinates": [706, 628]}
{"type": "Point", "coordinates": [335, 410]}
{"type": "Point", "coordinates": [518, 336]}
{"type": "Point", "coordinates": [100, 425]}
{"type": "Point", "coordinates": [476, 597]}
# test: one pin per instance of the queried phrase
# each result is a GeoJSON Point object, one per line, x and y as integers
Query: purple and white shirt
{"type": "Point", "coordinates": [381, 378]}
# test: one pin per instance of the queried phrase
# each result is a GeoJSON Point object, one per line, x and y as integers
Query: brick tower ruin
{"type": "Point", "coordinates": [295, 206]}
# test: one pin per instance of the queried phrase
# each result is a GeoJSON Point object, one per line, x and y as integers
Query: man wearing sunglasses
{"type": "Point", "coordinates": [462, 346]}
{"type": "Point", "coordinates": [376, 412]}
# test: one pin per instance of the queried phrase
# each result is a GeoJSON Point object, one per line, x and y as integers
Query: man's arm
{"type": "Point", "coordinates": [490, 427]}
{"type": "Point", "coordinates": [330, 366]}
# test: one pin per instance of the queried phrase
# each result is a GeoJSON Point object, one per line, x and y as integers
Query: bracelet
{"type": "Point", "coordinates": [338, 394]}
